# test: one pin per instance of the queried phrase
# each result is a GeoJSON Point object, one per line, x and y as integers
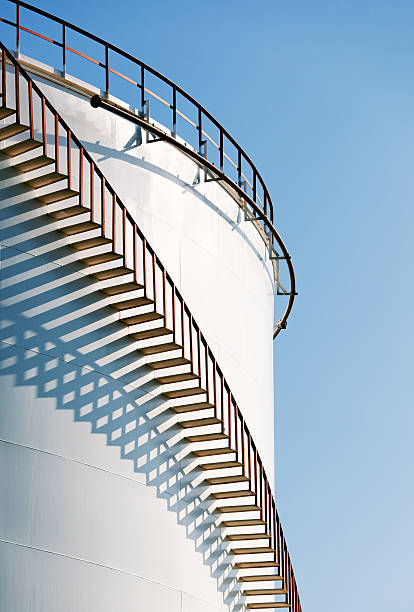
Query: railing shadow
{"type": "Point", "coordinates": [58, 314]}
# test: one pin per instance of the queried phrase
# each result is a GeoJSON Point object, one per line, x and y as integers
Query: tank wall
{"type": "Point", "coordinates": [98, 510]}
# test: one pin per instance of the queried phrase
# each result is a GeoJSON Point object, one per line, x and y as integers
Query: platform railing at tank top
{"type": "Point", "coordinates": [234, 167]}
{"type": "Point", "coordinates": [105, 208]}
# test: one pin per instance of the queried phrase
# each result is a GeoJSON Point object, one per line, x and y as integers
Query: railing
{"type": "Point", "coordinates": [224, 160]}
{"type": "Point", "coordinates": [110, 216]}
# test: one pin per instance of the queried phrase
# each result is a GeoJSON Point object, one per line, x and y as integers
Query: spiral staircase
{"type": "Point", "coordinates": [72, 190]}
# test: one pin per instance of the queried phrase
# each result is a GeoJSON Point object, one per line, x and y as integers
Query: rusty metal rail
{"type": "Point", "coordinates": [234, 168]}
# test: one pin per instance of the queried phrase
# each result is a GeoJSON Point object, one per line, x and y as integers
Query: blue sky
{"type": "Point", "coordinates": [320, 94]}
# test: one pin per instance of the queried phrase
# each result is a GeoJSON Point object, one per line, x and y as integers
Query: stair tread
{"type": "Point", "coordinates": [68, 212]}
{"type": "Point", "coordinates": [21, 147]}
{"type": "Point", "coordinates": [154, 332]}
{"type": "Point", "coordinates": [255, 564]}
{"type": "Point", "coordinates": [78, 228]}
{"type": "Point", "coordinates": [181, 377]}
{"type": "Point", "coordinates": [184, 392]}
{"type": "Point", "coordinates": [46, 179]}
{"type": "Point", "coordinates": [6, 112]}
{"type": "Point", "coordinates": [238, 508]}
{"type": "Point", "coordinates": [220, 465]}
{"type": "Point", "coordinates": [226, 479]}
{"type": "Point", "coordinates": [259, 606]}
{"type": "Point", "coordinates": [153, 349]}
{"type": "Point", "coordinates": [121, 288]}
{"type": "Point", "coordinates": [111, 273]}
{"type": "Point", "coordinates": [12, 130]}
{"type": "Point", "coordinates": [145, 317]}
{"type": "Point", "coordinates": [161, 364]}
{"type": "Point", "coordinates": [232, 494]}
{"type": "Point", "coordinates": [253, 592]}
{"type": "Point", "coordinates": [57, 196]}
{"type": "Point", "coordinates": [90, 243]}
{"type": "Point", "coordinates": [237, 537]}
{"type": "Point", "coordinates": [141, 300]}
{"type": "Point", "coordinates": [200, 422]}
{"type": "Point", "coordinates": [261, 578]}
{"type": "Point", "coordinates": [254, 550]}
{"type": "Point", "coordinates": [183, 408]}
{"type": "Point", "coordinates": [34, 163]}
{"type": "Point", "coordinates": [101, 258]}
{"type": "Point", "coordinates": [243, 522]}
{"type": "Point", "coordinates": [207, 437]}
{"type": "Point", "coordinates": [208, 452]}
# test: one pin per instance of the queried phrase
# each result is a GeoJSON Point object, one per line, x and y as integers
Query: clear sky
{"type": "Point", "coordinates": [320, 94]}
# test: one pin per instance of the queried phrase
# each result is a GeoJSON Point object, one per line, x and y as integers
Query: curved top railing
{"type": "Point", "coordinates": [224, 159]}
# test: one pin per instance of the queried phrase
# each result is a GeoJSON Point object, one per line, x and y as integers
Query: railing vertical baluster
{"type": "Point", "coordinates": [221, 149]}
{"type": "Point", "coordinates": [17, 29]}
{"type": "Point", "coordinates": [144, 265]}
{"type": "Point", "coordinates": [154, 281]}
{"type": "Point", "coordinates": [81, 176]}
{"type": "Point", "coordinates": [190, 331]}
{"type": "Point", "coordinates": [229, 414]}
{"type": "Point", "coordinates": [242, 433]}
{"type": "Point", "coordinates": [222, 401]}
{"type": "Point", "coordinates": [173, 312]}
{"type": "Point", "coordinates": [213, 361]}
{"type": "Point", "coordinates": [199, 352]}
{"type": "Point", "coordinates": [254, 184]}
{"type": "Point", "coordinates": [236, 428]}
{"type": "Point", "coordinates": [3, 77]}
{"type": "Point", "coordinates": [106, 71]}
{"type": "Point", "coordinates": [69, 157]}
{"type": "Point", "coordinates": [114, 221]}
{"type": "Point", "coordinates": [17, 91]}
{"type": "Point", "coordinates": [207, 371]}
{"type": "Point", "coordinates": [249, 441]}
{"type": "Point", "coordinates": [135, 254]}
{"type": "Point", "coordinates": [124, 240]}
{"type": "Point", "coordinates": [182, 326]}
{"type": "Point", "coordinates": [142, 88]}
{"type": "Point", "coordinates": [174, 112]}
{"type": "Point", "coordinates": [239, 166]}
{"type": "Point", "coordinates": [103, 188]}
{"type": "Point", "coordinates": [30, 88]}
{"type": "Point", "coordinates": [44, 126]}
{"type": "Point", "coordinates": [164, 295]}
{"type": "Point", "coordinates": [92, 189]}
{"type": "Point", "coordinates": [200, 131]}
{"type": "Point", "coordinates": [56, 139]}
{"type": "Point", "coordinates": [63, 50]}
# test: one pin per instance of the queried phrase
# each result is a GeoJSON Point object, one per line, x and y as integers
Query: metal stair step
{"type": "Point", "coordinates": [121, 288]}
{"type": "Point", "coordinates": [46, 179]}
{"type": "Point", "coordinates": [111, 273]}
{"type": "Point", "coordinates": [200, 422]}
{"type": "Point", "coordinates": [40, 161]}
{"type": "Point", "coordinates": [174, 378]}
{"type": "Point", "coordinates": [263, 606]}
{"type": "Point", "coordinates": [254, 592]}
{"type": "Point", "coordinates": [6, 112]}
{"type": "Point", "coordinates": [154, 349]}
{"type": "Point", "coordinates": [243, 522]}
{"type": "Point", "coordinates": [57, 196]}
{"type": "Point", "coordinates": [220, 465]}
{"type": "Point", "coordinates": [183, 408]}
{"type": "Point", "coordinates": [232, 494]}
{"type": "Point", "coordinates": [135, 302]}
{"type": "Point", "coordinates": [240, 508]}
{"type": "Point", "coordinates": [184, 392]}
{"type": "Point", "coordinates": [208, 452]}
{"type": "Point", "coordinates": [261, 578]}
{"type": "Point", "coordinates": [255, 550]}
{"type": "Point", "coordinates": [154, 332]}
{"type": "Point", "coordinates": [12, 130]}
{"type": "Point", "coordinates": [90, 243]}
{"type": "Point", "coordinates": [106, 257]}
{"type": "Point", "coordinates": [207, 437]}
{"type": "Point", "coordinates": [238, 537]}
{"type": "Point", "coordinates": [145, 317]}
{"type": "Point", "coordinates": [255, 564]}
{"type": "Point", "coordinates": [21, 147]}
{"type": "Point", "coordinates": [67, 213]}
{"type": "Point", "coordinates": [161, 364]}
{"type": "Point", "coordinates": [79, 228]}
{"type": "Point", "coordinates": [226, 479]}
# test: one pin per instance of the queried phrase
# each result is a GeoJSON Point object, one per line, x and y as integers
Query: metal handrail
{"type": "Point", "coordinates": [249, 190]}
{"type": "Point", "coordinates": [109, 213]}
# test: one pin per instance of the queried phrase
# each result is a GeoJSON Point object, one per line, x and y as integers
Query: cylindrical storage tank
{"type": "Point", "coordinates": [101, 507]}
